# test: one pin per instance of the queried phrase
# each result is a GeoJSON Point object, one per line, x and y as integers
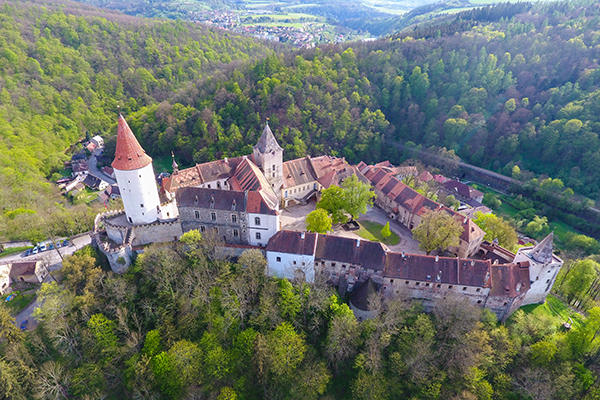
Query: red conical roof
{"type": "Point", "coordinates": [129, 154]}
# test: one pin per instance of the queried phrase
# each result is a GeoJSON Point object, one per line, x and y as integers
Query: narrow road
{"type": "Point", "coordinates": [54, 263]}
{"type": "Point", "coordinates": [94, 171]}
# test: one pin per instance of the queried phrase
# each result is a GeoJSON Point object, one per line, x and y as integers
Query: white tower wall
{"type": "Point", "coordinates": [139, 194]}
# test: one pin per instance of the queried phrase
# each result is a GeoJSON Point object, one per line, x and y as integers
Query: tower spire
{"type": "Point", "coordinates": [174, 165]}
{"type": "Point", "coordinates": [542, 252]}
{"type": "Point", "coordinates": [129, 154]}
{"type": "Point", "coordinates": [267, 141]}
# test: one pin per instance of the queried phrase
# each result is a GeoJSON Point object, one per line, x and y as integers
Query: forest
{"type": "Point", "coordinates": [184, 324]}
{"type": "Point", "coordinates": [64, 69]}
{"type": "Point", "coordinates": [497, 91]}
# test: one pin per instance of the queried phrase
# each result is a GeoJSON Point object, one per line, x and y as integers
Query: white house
{"type": "Point", "coordinates": [292, 255]}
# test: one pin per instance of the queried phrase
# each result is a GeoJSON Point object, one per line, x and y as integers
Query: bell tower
{"type": "Point", "coordinates": [269, 158]}
{"type": "Point", "coordinates": [135, 177]}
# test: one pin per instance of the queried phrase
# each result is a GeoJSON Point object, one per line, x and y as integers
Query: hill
{"type": "Point", "coordinates": [64, 68]}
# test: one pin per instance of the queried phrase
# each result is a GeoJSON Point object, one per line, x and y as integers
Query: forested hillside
{"type": "Point", "coordinates": [518, 91]}
{"type": "Point", "coordinates": [182, 324]}
{"type": "Point", "coordinates": [63, 71]}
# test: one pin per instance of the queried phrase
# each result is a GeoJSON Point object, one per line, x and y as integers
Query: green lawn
{"type": "Point", "coordinates": [13, 250]}
{"type": "Point", "coordinates": [556, 309]}
{"type": "Point", "coordinates": [372, 231]}
{"type": "Point", "coordinates": [17, 303]}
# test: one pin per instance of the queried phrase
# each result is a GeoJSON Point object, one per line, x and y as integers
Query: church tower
{"type": "Point", "coordinates": [268, 155]}
{"type": "Point", "coordinates": [135, 177]}
{"type": "Point", "coordinates": [543, 268]}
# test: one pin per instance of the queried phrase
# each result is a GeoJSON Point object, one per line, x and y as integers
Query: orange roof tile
{"type": "Point", "coordinates": [129, 154]}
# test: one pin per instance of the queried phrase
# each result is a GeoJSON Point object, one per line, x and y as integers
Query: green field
{"type": "Point", "coordinates": [372, 231]}
{"type": "Point", "coordinates": [555, 309]}
{"type": "Point", "coordinates": [19, 302]}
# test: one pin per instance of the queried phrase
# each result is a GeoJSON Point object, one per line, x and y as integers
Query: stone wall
{"type": "Point", "coordinates": [158, 232]}
{"type": "Point", "coordinates": [201, 219]}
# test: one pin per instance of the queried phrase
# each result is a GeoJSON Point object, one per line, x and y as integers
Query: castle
{"type": "Point", "coordinates": [239, 200]}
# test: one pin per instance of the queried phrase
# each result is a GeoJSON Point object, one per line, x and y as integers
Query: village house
{"type": "Point", "coordinates": [94, 183]}
{"type": "Point", "coordinates": [461, 191]}
{"type": "Point", "coordinates": [26, 271]}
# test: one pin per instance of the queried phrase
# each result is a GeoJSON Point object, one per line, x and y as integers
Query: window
{"type": "Point", "coordinates": [213, 216]}
{"type": "Point", "coordinates": [333, 264]}
{"type": "Point", "coordinates": [449, 286]}
{"type": "Point", "coordinates": [294, 262]}
{"type": "Point", "coordinates": [216, 230]}
{"type": "Point", "coordinates": [285, 195]}
{"type": "Point", "coordinates": [439, 286]}
{"type": "Point", "coordinates": [417, 284]}
{"type": "Point", "coordinates": [478, 290]}
{"type": "Point", "coordinates": [209, 185]}
{"type": "Point", "coordinates": [197, 214]}
{"type": "Point", "coordinates": [478, 301]}
{"type": "Point", "coordinates": [315, 186]}
{"type": "Point", "coordinates": [258, 235]}
{"type": "Point", "coordinates": [256, 221]}
{"type": "Point", "coordinates": [202, 228]}
{"type": "Point", "coordinates": [233, 218]}
{"type": "Point", "coordinates": [391, 281]}
{"type": "Point", "coordinates": [141, 205]}
{"type": "Point", "coordinates": [548, 281]}
{"type": "Point", "coordinates": [406, 283]}
{"type": "Point", "coordinates": [236, 233]}
{"type": "Point", "coordinates": [303, 263]}
{"type": "Point", "coordinates": [465, 288]}
{"type": "Point", "coordinates": [343, 266]}
{"type": "Point", "coordinates": [273, 167]}
{"type": "Point", "coordinates": [278, 259]}
{"type": "Point", "coordinates": [427, 284]}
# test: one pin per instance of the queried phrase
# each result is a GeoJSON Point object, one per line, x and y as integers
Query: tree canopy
{"type": "Point", "coordinates": [438, 230]}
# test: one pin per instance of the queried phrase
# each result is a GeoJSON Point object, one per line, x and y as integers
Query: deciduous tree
{"type": "Point", "coordinates": [437, 231]}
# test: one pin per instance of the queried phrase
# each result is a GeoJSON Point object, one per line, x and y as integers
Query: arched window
{"type": "Point", "coordinates": [258, 235]}
{"type": "Point", "coordinates": [256, 220]}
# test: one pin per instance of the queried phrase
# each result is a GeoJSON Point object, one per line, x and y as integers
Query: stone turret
{"type": "Point", "coordinates": [543, 268]}
{"type": "Point", "coordinates": [268, 155]}
{"type": "Point", "coordinates": [135, 177]}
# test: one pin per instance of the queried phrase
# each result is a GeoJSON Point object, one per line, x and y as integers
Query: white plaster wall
{"type": "Point", "coordinates": [541, 276]}
{"type": "Point", "coordinates": [286, 267]}
{"type": "Point", "coordinates": [169, 210]}
{"type": "Point", "coordinates": [300, 191]}
{"type": "Point", "coordinates": [216, 184]}
{"type": "Point", "coordinates": [269, 225]}
{"type": "Point", "coordinates": [138, 187]}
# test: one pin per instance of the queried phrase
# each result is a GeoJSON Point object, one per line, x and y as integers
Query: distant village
{"type": "Point", "coordinates": [307, 35]}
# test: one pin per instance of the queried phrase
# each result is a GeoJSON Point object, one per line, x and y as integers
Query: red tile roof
{"type": "Point", "coordinates": [129, 154]}
{"type": "Point", "coordinates": [510, 280]}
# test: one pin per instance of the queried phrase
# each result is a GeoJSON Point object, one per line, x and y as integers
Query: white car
{"type": "Point", "coordinates": [35, 250]}
{"type": "Point", "coordinates": [42, 248]}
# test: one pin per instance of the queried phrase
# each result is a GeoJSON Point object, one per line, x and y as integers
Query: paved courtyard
{"type": "Point", "coordinates": [293, 219]}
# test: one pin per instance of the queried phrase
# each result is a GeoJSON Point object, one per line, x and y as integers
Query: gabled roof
{"type": "Point", "coordinates": [425, 176]}
{"type": "Point", "coordinates": [367, 254]}
{"type": "Point", "coordinates": [464, 190]}
{"type": "Point", "coordinates": [331, 170]}
{"type": "Point", "coordinates": [212, 198]}
{"type": "Point", "coordinates": [510, 280]}
{"type": "Point", "coordinates": [298, 172]}
{"type": "Point", "coordinates": [248, 177]}
{"type": "Point", "coordinates": [438, 269]}
{"type": "Point", "coordinates": [92, 182]}
{"type": "Point", "coordinates": [542, 252]}
{"type": "Point", "coordinates": [23, 268]}
{"type": "Point", "coordinates": [360, 296]}
{"type": "Point", "coordinates": [129, 155]}
{"type": "Point", "coordinates": [202, 173]}
{"type": "Point", "coordinates": [267, 141]}
{"type": "Point", "coordinates": [292, 242]}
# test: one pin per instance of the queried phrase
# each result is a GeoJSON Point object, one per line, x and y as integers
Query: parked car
{"type": "Point", "coordinates": [43, 248]}
{"type": "Point", "coordinates": [65, 243]}
{"type": "Point", "coordinates": [35, 250]}
{"type": "Point", "coordinates": [50, 246]}
{"type": "Point", "coordinates": [27, 252]}
{"type": "Point", "coordinates": [58, 244]}
{"type": "Point", "coordinates": [24, 324]}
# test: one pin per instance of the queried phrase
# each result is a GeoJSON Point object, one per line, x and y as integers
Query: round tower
{"type": "Point", "coordinates": [135, 177]}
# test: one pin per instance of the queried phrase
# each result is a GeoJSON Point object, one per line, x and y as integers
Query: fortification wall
{"type": "Point", "coordinates": [157, 232]}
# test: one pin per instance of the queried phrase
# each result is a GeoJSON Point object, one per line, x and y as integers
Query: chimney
{"type": "Point", "coordinates": [357, 242]}
{"type": "Point", "coordinates": [226, 160]}
{"type": "Point", "coordinates": [403, 255]}
{"type": "Point", "coordinates": [195, 200]}
{"type": "Point", "coordinates": [302, 235]}
{"type": "Point", "coordinates": [465, 220]}
{"type": "Point", "coordinates": [437, 258]}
